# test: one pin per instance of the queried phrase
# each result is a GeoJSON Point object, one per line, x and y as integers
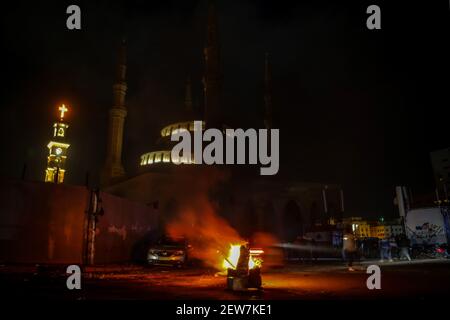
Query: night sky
{"type": "Point", "coordinates": [357, 107]}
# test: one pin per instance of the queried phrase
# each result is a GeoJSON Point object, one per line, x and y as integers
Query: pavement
{"type": "Point", "coordinates": [330, 280]}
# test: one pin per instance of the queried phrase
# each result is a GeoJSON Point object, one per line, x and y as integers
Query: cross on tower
{"type": "Point", "coordinates": [63, 109]}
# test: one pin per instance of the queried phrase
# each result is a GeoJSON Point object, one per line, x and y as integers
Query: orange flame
{"type": "Point", "coordinates": [233, 257]}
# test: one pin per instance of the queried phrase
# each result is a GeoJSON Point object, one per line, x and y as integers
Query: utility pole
{"type": "Point", "coordinates": [325, 204]}
{"type": "Point", "coordinates": [403, 205]}
{"type": "Point", "coordinates": [444, 189]}
{"type": "Point", "coordinates": [438, 198]}
{"type": "Point", "coordinates": [94, 211]}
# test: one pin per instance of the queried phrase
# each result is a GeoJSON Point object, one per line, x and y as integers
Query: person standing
{"type": "Point", "coordinates": [403, 244]}
{"type": "Point", "coordinates": [393, 247]}
{"type": "Point", "coordinates": [349, 248]}
{"type": "Point", "coordinates": [385, 250]}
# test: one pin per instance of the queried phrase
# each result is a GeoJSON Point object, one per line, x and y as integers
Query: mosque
{"type": "Point", "coordinates": [250, 202]}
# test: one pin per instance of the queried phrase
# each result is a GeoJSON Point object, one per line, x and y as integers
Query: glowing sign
{"type": "Point", "coordinates": [63, 110]}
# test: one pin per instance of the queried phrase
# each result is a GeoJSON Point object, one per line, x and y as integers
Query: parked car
{"type": "Point", "coordinates": [169, 251]}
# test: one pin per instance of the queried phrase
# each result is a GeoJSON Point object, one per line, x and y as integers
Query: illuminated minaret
{"type": "Point", "coordinates": [268, 94]}
{"type": "Point", "coordinates": [212, 81]}
{"type": "Point", "coordinates": [113, 169]}
{"type": "Point", "coordinates": [57, 147]}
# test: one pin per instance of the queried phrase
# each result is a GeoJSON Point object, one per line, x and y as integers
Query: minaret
{"type": "Point", "coordinates": [268, 108]}
{"type": "Point", "coordinates": [113, 169]}
{"type": "Point", "coordinates": [56, 160]}
{"type": "Point", "coordinates": [212, 81]}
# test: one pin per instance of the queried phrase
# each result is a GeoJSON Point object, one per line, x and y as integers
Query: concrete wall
{"type": "Point", "coordinates": [45, 223]}
{"type": "Point", "coordinates": [124, 231]}
{"type": "Point", "coordinates": [41, 222]}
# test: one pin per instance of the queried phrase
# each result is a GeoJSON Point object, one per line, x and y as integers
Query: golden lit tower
{"type": "Point", "coordinates": [113, 169]}
{"type": "Point", "coordinates": [212, 81]}
{"type": "Point", "coordinates": [57, 147]}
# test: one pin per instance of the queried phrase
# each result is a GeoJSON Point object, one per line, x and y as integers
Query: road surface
{"type": "Point", "coordinates": [326, 280]}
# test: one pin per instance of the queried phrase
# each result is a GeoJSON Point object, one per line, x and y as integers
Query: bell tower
{"type": "Point", "coordinates": [56, 160]}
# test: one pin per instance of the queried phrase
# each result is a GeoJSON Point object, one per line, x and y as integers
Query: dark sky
{"type": "Point", "coordinates": [357, 107]}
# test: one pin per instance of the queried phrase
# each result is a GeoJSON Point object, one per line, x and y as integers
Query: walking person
{"type": "Point", "coordinates": [404, 244]}
{"type": "Point", "coordinates": [385, 250]}
{"type": "Point", "coordinates": [349, 248]}
{"type": "Point", "coordinates": [393, 247]}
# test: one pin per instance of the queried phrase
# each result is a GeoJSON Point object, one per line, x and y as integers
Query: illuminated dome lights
{"type": "Point", "coordinates": [179, 127]}
{"type": "Point", "coordinates": [164, 156]}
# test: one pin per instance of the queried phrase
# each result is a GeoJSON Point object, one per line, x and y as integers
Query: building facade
{"type": "Point", "coordinates": [250, 202]}
{"type": "Point", "coordinates": [373, 228]}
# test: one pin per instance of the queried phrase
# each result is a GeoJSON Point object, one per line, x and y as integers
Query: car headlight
{"type": "Point", "coordinates": [152, 252]}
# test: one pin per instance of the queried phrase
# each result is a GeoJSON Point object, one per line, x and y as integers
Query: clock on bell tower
{"type": "Point", "coordinates": [57, 147]}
